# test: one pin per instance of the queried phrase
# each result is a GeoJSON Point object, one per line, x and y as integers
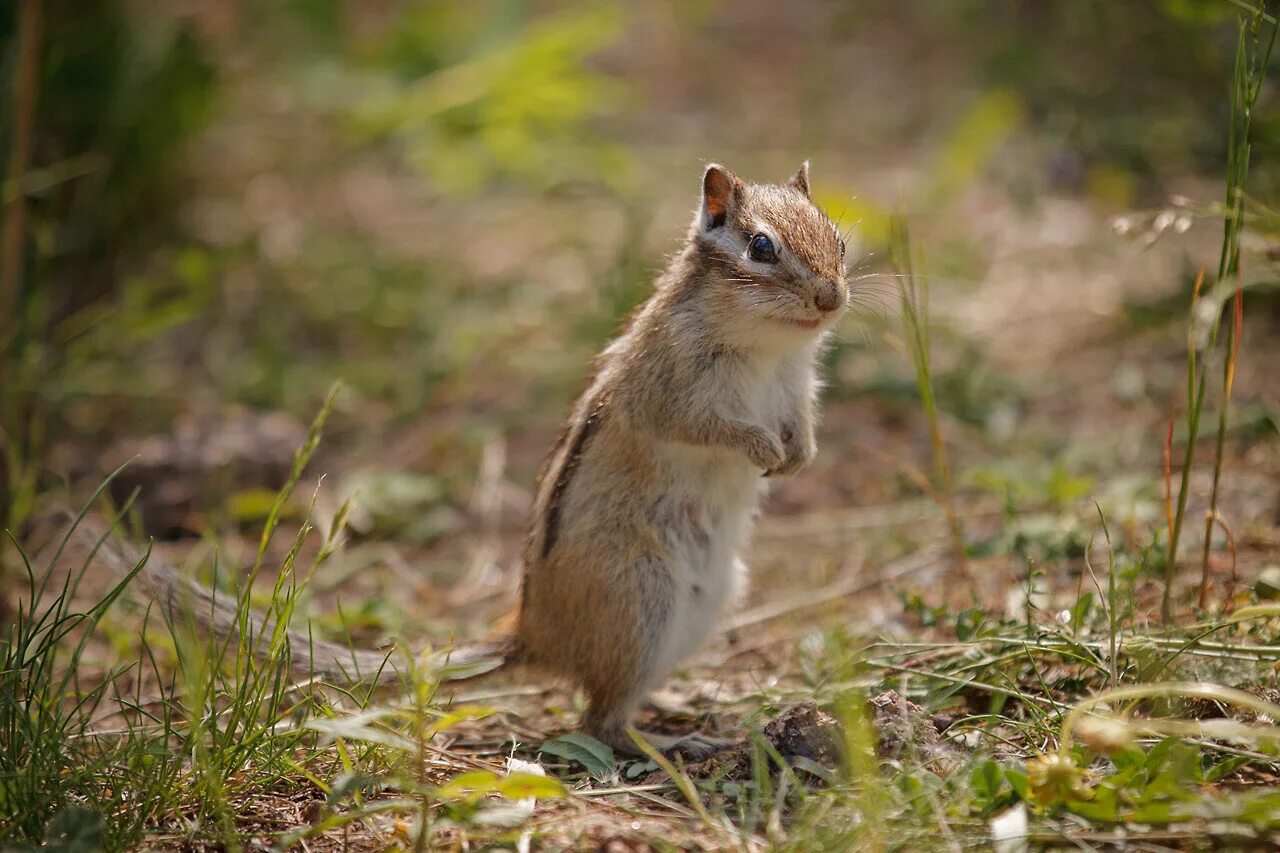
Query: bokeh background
{"type": "Point", "coordinates": [449, 206]}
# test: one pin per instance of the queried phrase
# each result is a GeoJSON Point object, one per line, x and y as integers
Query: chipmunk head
{"type": "Point", "coordinates": [776, 259]}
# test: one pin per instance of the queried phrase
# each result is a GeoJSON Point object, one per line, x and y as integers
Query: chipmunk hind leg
{"type": "Point", "coordinates": [610, 724]}
{"type": "Point", "coordinates": [616, 689]}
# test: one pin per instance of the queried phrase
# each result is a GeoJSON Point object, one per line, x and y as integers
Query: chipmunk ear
{"type": "Point", "coordinates": [720, 191]}
{"type": "Point", "coordinates": [800, 180]}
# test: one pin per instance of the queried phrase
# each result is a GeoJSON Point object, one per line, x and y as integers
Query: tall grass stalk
{"type": "Point", "coordinates": [48, 753]}
{"type": "Point", "coordinates": [230, 721]}
{"type": "Point", "coordinates": [236, 728]}
{"type": "Point", "coordinates": [1113, 615]}
{"type": "Point", "coordinates": [1232, 347]}
{"type": "Point", "coordinates": [26, 83]}
{"type": "Point", "coordinates": [17, 476]}
{"type": "Point", "coordinates": [914, 293]}
{"type": "Point", "coordinates": [1252, 61]}
{"type": "Point", "coordinates": [1217, 727]}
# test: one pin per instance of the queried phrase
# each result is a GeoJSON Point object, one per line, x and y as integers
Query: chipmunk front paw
{"type": "Point", "coordinates": [764, 449]}
{"type": "Point", "coordinates": [799, 449]}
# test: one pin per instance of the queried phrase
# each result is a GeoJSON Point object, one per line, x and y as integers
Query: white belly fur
{"type": "Point", "coordinates": [713, 500]}
{"type": "Point", "coordinates": [713, 507]}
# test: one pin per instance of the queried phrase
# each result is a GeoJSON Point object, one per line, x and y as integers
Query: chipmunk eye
{"type": "Point", "coordinates": [761, 249]}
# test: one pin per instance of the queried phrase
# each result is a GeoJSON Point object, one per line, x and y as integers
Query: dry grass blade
{"type": "Point", "coordinates": [1234, 332]}
{"type": "Point", "coordinates": [914, 293]}
{"type": "Point", "coordinates": [20, 127]}
{"type": "Point", "coordinates": [1253, 58]}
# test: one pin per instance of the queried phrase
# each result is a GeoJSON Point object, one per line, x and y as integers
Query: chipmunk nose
{"type": "Point", "coordinates": [828, 296]}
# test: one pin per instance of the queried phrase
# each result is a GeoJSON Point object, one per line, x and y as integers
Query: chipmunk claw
{"type": "Point", "coordinates": [697, 747]}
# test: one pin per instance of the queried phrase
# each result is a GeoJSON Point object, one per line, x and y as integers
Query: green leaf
{"type": "Point", "coordinates": [1262, 811]}
{"type": "Point", "coordinates": [1080, 610]}
{"type": "Point", "coordinates": [518, 786]}
{"type": "Point", "coordinates": [969, 623]}
{"type": "Point", "coordinates": [986, 782]}
{"type": "Point", "coordinates": [1104, 806]}
{"type": "Point", "coordinates": [1017, 781]}
{"type": "Point", "coordinates": [595, 756]}
{"type": "Point", "coordinates": [1223, 768]}
{"type": "Point", "coordinates": [1158, 814]}
{"type": "Point", "coordinates": [636, 769]}
{"type": "Point", "coordinates": [1128, 762]}
{"type": "Point", "coordinates": [470, 786]}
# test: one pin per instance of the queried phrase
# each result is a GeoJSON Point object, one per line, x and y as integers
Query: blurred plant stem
{"type": "Point", "coordinates": [25, 80]}
{"type": "Point", "coordinates": [1232, 347]}
{"type": "Point", "coordinates": [1245, 88]}
{"type": "Point", "coordinates": [915, 326]}
{"type": "Point", "coordinates": [1250, 72]}
{"type": "Point", "coordinates": [25, 85]}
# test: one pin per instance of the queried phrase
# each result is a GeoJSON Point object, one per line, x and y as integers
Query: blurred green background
{"type": "Point", "coordinates": [449, 205]}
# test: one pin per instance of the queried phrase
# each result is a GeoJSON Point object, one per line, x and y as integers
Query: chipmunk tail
{"type": "Point", "coordinates": [182, 599]}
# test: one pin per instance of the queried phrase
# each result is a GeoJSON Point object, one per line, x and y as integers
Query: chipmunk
{"type": "Point", "coordinates": [646, 502]}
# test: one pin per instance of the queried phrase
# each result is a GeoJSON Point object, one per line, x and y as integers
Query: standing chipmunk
{"type": "Point", "coordinates": [649, 497]}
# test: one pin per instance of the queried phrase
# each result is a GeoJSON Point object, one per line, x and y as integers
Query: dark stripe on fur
{"type": "Point", "coordinates": [567, 469]}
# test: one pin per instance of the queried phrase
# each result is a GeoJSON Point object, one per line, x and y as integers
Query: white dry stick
{"type": "Point", "coordinates": [1009, 830]}
{"type": "Point", "coordinates": [525, 805]}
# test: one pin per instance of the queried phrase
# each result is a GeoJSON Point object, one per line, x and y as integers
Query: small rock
{"type": "Point", "coordinates": [906, 729]}
{"type": "Point", "coordinates": [314, 811]}
{"type": "Point", "coordinates": [806, 732]}
{"type": "Point", "coordinates": [803, 731]}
